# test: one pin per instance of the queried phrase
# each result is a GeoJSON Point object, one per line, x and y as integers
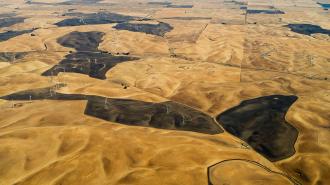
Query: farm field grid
{"type": "Point", "coordinates": [152, 92]}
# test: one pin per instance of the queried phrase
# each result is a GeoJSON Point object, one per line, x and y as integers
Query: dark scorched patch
{"type": "Point", "coordinates": [155, 29]}
{"type": "Point", "coordinates": [325, 6]}
{"type": "Point", "coordinates": [9, 21]}
{"type": "Point", "coordinates": [179, 6]}
{"type": "Point", "coordinates": [264, 12]}
{"type": "Point", "coordinates": [11, 34]}
{"type": "Point", "coordinates": [165, 115]}
{"type": "Point", "coordinates": [261, 123]}
{"type": "Point", "coordinates": [82, 41]}
{"type": "Point", "coordinates": [4, 15]}
{"type": "Point", "coordinates": [96, 18]}
{"type": "Point", "coordinates": [159, 3]}
{"type": "Point", "coordinates": [94, 65]}
{"type": "Point", "coordinates": [88, 59]}
{"type": "Point", "coordinates": [307, 29]}
{"type": "Point", "coordinates": [11, 56]}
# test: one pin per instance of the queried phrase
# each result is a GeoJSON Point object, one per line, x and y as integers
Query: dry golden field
{"type": "Point", "coordinates": [138, 92]}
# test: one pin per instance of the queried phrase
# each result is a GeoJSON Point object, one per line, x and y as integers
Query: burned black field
{"type": "Point", "coordinates": [164, 92]}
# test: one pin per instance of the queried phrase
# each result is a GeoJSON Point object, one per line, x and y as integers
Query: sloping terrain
{"type": "Point", "coordinates": [144, 92]}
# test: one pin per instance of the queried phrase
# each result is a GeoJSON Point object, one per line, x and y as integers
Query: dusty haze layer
{"type": "Point", "coordinates": [141, 92]}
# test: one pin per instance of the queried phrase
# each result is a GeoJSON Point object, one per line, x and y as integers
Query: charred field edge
{"type": "Point", "coordinates": [307, 29]}
{"type": "Point", "coordinates": [92, 64]}
{"type": "Point", "coordinates": [272, 11]}
{"type": "Point", "coordinates": [70, 2]}
{"type": "Point", "coordinates": [325, 6]}
{"type": "Point", "coordinates": [82, 41]}
{"type": "Point", "coordinates": [88, 59]}
{"type": "Point", "coordinates": [7, 15]}
{"type": "Point", "coordinates": [179, 6]}
{"type": "Point", "coordinates": [159, 29]}
{"type": "Point", "coordinates": [159, 3]}
{"type": "Point", "coordinates": [240, 3]}
{"type": "Point", "coordinates": [167, 4]}
{"type": "Point", "coordinates": [11, 34]}
{"type": "Point", "coordinates": [11, 56]}
{"type": "Point", "coordinates": [96, 18]}
{"type": "Point", "coordinates": [261, 123]}
{"type": "Point", "coordinates": [9, 21]}
{"type": "Point", "coordinates": [166, 115]}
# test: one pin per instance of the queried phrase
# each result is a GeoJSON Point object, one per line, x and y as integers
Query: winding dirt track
{"type": "Point", "coordinates": [199, 69]}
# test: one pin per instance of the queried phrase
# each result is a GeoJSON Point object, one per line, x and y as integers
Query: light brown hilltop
{"type": "Point", "coordinates": [212, 58]}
